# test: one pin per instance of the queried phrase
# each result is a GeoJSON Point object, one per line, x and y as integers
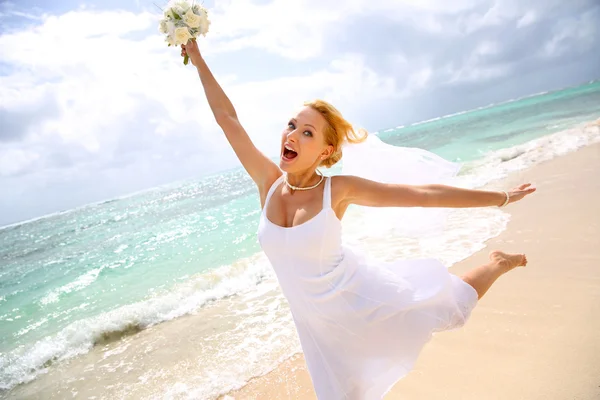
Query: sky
{"type": "Point", "coordinates": [94, 105]}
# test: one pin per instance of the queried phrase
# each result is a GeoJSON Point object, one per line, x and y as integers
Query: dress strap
{"type": "Point", "coordinates": [327, 193]}
{"type": "Point", "coordinates": [272, 190]}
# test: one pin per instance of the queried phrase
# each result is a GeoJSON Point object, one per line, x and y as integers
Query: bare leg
{"type": "Point", "coordinates": [482, 277]}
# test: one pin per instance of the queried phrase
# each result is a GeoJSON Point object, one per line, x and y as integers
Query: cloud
{"type": "Point", "coordinates": [16, 161]}
{"type": "Point", "coordinates": [121, 111]}
{"type": "Point", "coordinates": [23, 111]}
{"type": "Point", "coordinates": [573, 34]}
{"type": "Point", "coordinates": [299, 29]}
{"type": "Point", "coordinates": [93, 102]}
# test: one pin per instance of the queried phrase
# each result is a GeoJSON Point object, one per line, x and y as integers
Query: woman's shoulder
{"type": "Point", "coordinates": [343, 181]}
{"type": "Point", "coordinates": [340, 186]}
{"type": "Point", "coordinates": [268, 184]}
{"type": "Point", "coordinates": [271, 179]}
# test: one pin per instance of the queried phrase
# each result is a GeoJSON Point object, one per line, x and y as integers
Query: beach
{"type": "Point", "coordinates": [166, 294]}
{"type": "Point", "coordinates": [534, 335]}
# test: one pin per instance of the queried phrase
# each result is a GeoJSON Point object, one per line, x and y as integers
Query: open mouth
{"type": "Point", "coordinates": [289, 154]}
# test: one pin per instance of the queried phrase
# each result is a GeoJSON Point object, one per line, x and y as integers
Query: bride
{"type": "Point", "coordinates": [361, 324]}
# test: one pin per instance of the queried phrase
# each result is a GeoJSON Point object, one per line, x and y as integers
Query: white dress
{"type": "Point", "coordinates": [361, 325]}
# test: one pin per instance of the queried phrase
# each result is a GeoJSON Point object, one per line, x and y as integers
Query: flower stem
{"type": "Point", "coordinates": [185, 59]}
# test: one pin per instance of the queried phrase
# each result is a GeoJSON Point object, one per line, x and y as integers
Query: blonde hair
{"type": "Point", "coordinates": [337, 131]}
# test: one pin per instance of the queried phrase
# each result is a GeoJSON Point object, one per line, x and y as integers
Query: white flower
{"type": "Point", "coordinates": [166, 27]}
{"type": "Point", "coordinates": [192, 20]}
{"type": "Point", "coordinates": [171, 40]}
{"type": "Point", "coordinates": [162, 27]}
{"type": "Point", "coordinates": [179, 8]}
{"type": "Point", "coordinates": [180, 11]}
{"type": "Point", "coordinates": [202, 12]}
{"type": "Point", "coordinates": [183, 6]}
{"type": "Point", "coordinates": [204, 26]}
{"type": "Point", "coordinates": [183, 20]}
{"type": "Point", "coordinates": [169, 13]}
{"type": "Point", "coordinates": [182, 35]}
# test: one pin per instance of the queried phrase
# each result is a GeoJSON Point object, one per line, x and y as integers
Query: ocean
{"type": "Point", "coordinates": [166, 294]}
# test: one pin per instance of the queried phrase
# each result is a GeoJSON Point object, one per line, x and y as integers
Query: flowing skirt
{"type": "Point", "coordinates": [365, 330]}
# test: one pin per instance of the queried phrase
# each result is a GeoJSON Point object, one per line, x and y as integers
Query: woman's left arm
{"type": "Point", "coordinates": [374, 194]}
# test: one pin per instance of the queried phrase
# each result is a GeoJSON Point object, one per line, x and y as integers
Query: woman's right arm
{"type": "Point", "coordinates": [261, 169]}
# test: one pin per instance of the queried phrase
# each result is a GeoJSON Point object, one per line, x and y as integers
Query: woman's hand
{"type": "Point", "coordinates": [519, 192]}
{"type": "Point", "coordinates": [191, 50]}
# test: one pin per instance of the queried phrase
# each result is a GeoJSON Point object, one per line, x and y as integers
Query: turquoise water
{"type": "Point", "coordinates": [77, 264]}
{"type": "Point", "coordinates": [469, 135]}
{"type": "Point", "coordinates": [69, 280]}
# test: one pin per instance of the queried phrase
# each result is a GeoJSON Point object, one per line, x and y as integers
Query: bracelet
{"type": "Point", "coordinates": [507, 199]}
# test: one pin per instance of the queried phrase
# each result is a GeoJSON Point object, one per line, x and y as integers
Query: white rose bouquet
{"type": "Point", "coordinates": [183, 20]}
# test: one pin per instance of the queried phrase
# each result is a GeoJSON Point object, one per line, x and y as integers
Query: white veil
{"type": "Point", "coordinates": [378, 161]}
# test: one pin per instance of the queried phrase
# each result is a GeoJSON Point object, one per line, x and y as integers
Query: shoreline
{"type": "Point", "coordinates": [289, 379]}
{"type": "Point", "coordinates": [533, 333]}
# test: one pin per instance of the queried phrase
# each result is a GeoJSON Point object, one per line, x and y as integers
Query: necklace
{"type": "Point", "coordinates": [303, 188]}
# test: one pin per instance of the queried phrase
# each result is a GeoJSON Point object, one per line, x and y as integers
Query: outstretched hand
{"type": "Point", "coordinates": [520, 192]}
{"type": "Point", "coordinates": [191, 50]}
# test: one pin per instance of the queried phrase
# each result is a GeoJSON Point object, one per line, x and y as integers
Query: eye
{"type": "Point", "coordinates": [292, 126]}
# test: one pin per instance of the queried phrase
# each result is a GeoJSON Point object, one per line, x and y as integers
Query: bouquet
{"type": "Point", "coordinates": [183, 20]}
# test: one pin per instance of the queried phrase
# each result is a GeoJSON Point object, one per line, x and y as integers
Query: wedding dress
{"type": "Point", "coordinates": [361, 324]}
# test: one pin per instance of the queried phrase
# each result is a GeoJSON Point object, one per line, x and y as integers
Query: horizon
{"type": "Point", "coordinates": [239, 168]}
{"type": "Point", "coordinates": [115, 111]}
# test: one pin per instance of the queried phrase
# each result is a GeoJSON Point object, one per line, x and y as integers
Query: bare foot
{"type": "Point", "coordinates": [508, 261]}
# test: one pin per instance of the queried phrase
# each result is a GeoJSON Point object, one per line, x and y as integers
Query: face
{"type": "Point", "coordinates": [303, 145]}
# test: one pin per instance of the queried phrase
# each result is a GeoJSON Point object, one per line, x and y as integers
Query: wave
{"type": "Point", "coordinates": [490, 106]}
{"type": "Point", "coordinates": [19, 224]}
{"type": "Point", "coordinates": [78, 284]}
{"type": "Point", "coordinates": [459, 240]}
{"type": "Point", "coordinates": [481, 108]}
{"type": "Point", "coordinates": [498, 164]}
{"type": "Point", "coordinates": [24, 364]}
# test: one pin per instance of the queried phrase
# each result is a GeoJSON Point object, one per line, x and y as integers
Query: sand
{"type": "Point", "coordinates": [536, 333]}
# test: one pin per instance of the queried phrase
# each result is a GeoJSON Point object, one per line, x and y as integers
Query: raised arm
{"type": "Point", "coordinates": [261, 169]}
{"type": "Point", "coordinates": [368, 193]}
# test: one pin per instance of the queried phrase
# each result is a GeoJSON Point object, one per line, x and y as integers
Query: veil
{"type": "Point", "coordinates": [378, 161]}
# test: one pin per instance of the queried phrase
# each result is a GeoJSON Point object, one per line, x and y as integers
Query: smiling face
{"type": "Point", "coordinates": [303, 144]}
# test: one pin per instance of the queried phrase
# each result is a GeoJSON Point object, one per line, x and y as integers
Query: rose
{"type": "Point", "coordinates": [178, 8]}
{"type": "Point", "coordinates": [205, 23]}
{"type": "Point", "coordinates": [182, 6]}
{"type": "Point", "coordinates": [183, 21]}
{"type": "Point", "coordinates": [162, 27]}
{"type": "Point", "coordinates": [201, 12]}
{"type": "Point", "coordinates": [169, 13]}
{"type": "Point", "coordinates": [182, 35]}
{"type": "Point", "coordinates": [166, 27]}
{"type": "Point", "coordinates": [171, 40]}
{"type": "Point", "coordinates": [170, 28]}
{"type": "Point", "coordinates": [192, 20]}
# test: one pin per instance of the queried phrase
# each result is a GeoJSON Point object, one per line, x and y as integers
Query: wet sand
{"type": "Point", "coordinates": [533, 336]}
{"type": "Point", "coordinates": [536, 334]}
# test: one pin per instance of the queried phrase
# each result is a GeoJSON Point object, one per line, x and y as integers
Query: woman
{"type": "Point", "coordinates": [361, 325]}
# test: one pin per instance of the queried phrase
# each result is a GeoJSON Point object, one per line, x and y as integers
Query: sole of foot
{"type": "Point", "coordinates": [508, 261]}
